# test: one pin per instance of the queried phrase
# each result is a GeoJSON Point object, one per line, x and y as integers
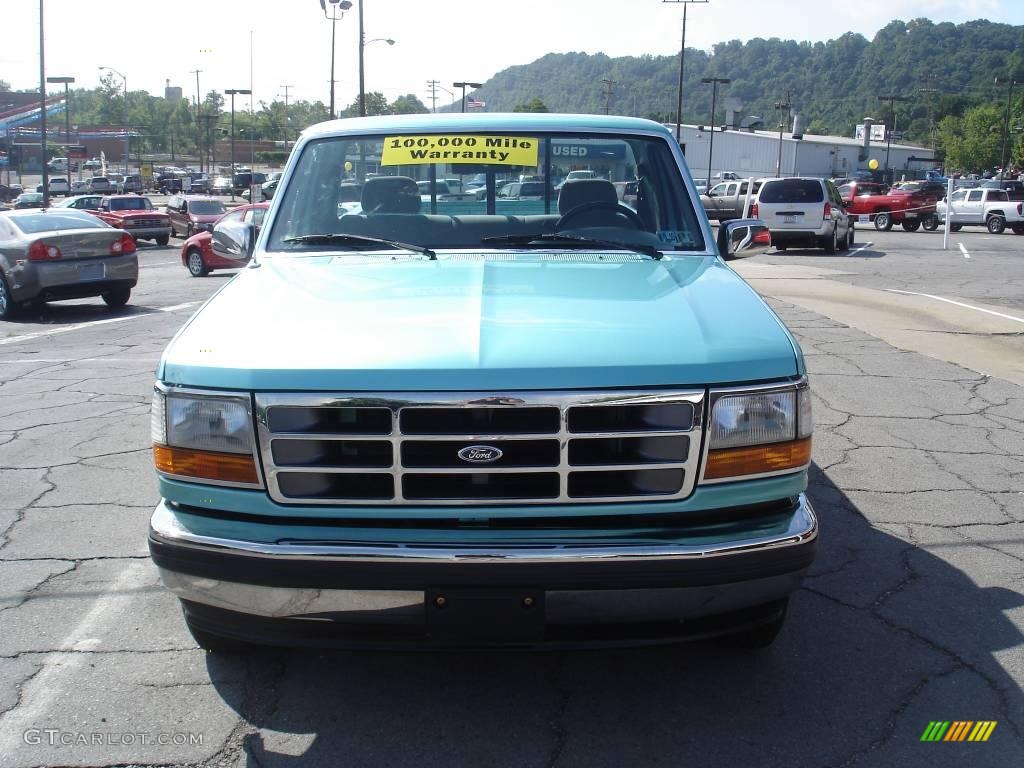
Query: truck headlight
{"type": "Point", "coordinates": [203, 437]}
{"type": "Point", "coordinates": [759, 432]}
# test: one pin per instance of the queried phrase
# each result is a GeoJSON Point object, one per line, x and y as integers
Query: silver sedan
{"type": "Point", "coordinates": [62, 253]}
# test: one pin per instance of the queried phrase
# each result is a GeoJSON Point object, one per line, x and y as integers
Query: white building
{"type": "Point", "coordinates": [752, 154]}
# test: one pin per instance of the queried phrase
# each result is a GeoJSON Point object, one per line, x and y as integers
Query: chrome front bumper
{"type": "Point", "coordinates": [389, 584]}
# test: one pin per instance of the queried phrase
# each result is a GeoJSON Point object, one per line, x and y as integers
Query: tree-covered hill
{"type": "Point", "coordinates": [942, 69]}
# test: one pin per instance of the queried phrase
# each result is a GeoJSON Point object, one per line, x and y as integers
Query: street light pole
{"type": "Point", "coordinates": [682, 59]}
{"type": "Point", "coordinates": [67, 118]}
{"type": "Point", "coordinates": [126, 139]}
{"type": "Point", "coordinates": [892, 99]}
{"type": "Point", "coordinates": [232, 92]}
{"type": "Point", "coordinates": [715, 81]}
{"type": "Point", "coordinates": [780, 106]}
{"type": "Point", "coordinates": [344, 5]}
{"type": "Point", "coordinates": [464, 86]}
{"type": "Point", "coordinates": [199, 130]}
{"type": "Point", "coordinates": [42, 109]}
{"type": "Point", "coordinates": [1009, 82]}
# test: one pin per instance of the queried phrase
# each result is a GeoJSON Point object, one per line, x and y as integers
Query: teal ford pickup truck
{"type": "Point", "coordinates": [414, 419]}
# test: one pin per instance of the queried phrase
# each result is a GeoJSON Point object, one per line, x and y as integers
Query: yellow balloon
{"type": "Point", "coordinates": [348, 165]}
{"type": "Point", "coordinates": [873, 164]}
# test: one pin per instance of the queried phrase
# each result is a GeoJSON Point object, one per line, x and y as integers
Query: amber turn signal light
{"type": "Point", "coordinates": [757, 459]}
{"type": "Point", "coordinates": [205, 465]}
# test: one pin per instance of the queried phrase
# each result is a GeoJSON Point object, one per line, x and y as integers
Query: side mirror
{"type": "Point", "coordinates": [234, 240]}
{"type": "Point", "coordinates": [746, 237]}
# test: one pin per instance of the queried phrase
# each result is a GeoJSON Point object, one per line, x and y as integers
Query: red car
{"type": "Point", "coordinates": [196, 253]}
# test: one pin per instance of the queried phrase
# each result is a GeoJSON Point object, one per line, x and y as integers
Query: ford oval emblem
{"type": "Point", "coordinates": [480, 454]}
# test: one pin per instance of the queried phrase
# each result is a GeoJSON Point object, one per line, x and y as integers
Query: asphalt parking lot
{"type": "Point", "coordinates": [913, 612]}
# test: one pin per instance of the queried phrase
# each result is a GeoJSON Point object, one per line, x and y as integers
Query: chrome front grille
{"type": "Point", "coordinates": [472, 449]}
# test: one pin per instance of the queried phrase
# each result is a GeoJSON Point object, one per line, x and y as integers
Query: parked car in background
{"type": "Point", "coordinates": [101, 185]}
{"type": "Point", "coordinates": [267, 190]}
{"type": "Point", "coordinates": [136, 214]}
{"type": "Point", "coordinates": [196, 252]}
{"type": "Point", "coordinates": [82, 202]}
{"type": "Point", "coordinates": [989, 208]}
{"type": "Point", "coordinates": [60, 165]}
{"type": "Point", "coordinates": [61, 253]}
{"type": "Point", "coordinates": [58, 186]}
{"type": "Point", "coordinates": [79, 186]}
{"type": "Point", "coordinates": [92, 164]}
{"type": "Point", "coordinates": [221, 185]}
{"type": "Point", "coordinates": [727, 199]}
{"type": "Point", "coordinates": [128, 184]}
{"type": "Point", "coordinates": [804, 212]}
{"type": "Point", "coordinates": [627, 192]}
{"type": "Point", "coordinates": [29, 200]}
{"type": "Point", "coordinates": [1014, 189]}
{"type": "Point", "coordinates": [524, 190]}
{"type": "Point", "coordinates": [190, 214]}
{"type": "Point", "coordinates": [908, 206]}
{"type": "Point", "coordinates": [245, 180]}
{"type": "Point", "coordinates": [200, 184]}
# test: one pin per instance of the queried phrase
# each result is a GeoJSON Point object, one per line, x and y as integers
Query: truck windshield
{"type": "Point", "coordinates": [131, 204]}
{"type": "Point", "coordinates": [394, 187]}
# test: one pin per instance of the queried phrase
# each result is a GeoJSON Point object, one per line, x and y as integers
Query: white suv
{"type": "Point", "coordinates": [804, 212]}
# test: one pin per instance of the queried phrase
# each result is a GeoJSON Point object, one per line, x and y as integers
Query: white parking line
{"type": "Point", "coordinates": [159, 264]}
{"type": "Point", "coordinates": [959, 304]}
{"type": "Point", "coordinates": [79, 326]}
{"type": "Point", "coordinates": [964, 251]}
{"type": "Point", "coordinates": [858, 250]}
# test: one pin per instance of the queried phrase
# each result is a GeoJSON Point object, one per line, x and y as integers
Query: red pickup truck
{"type": "Point", "coordinates": [136, 215]}
{"type": "Point", "coordinates": [871, 202]}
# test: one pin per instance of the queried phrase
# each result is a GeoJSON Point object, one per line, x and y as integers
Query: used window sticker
{"type": "Point", "coordinates": [486, 150]}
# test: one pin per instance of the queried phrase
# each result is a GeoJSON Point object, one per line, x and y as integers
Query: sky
{"type": "Point", "coordinates": [153, 41]}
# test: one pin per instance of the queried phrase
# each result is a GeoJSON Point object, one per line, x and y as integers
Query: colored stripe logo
{"type": "Point", "coordinates": [958, 730]}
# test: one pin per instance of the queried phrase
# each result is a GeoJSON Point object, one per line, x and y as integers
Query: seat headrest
{"type": "Point", "coordinates": [390, 194]}
{"type": "Point", "coordinates": [576, 193]}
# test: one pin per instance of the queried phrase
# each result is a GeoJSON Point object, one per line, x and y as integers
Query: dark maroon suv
{"type": "Point", "coordinates": [193, 213]}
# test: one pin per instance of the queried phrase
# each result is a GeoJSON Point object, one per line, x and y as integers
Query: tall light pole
{"type": "Point", "coordinates": [232, 92]}
{"type": "Point", "coordinates": [715, 82]}
{"type": "Point", "coordinates": [1009, 82]}
{"type": "Point", "coordinates": [336, 5]}
{"type": "Point", "coordinates": [67, 116]}
{"type": "Point", "coordinates": [199, 130]}
{"type": "Point", "coordinates": [781, 106]}
{"type": "Point", "coordinates": [126, 139]}
{"type": "Point", "coordinates": [892, 99]}
{"type": "Point", "coordinates": [464, 86]}
{"type": "Point", "coordinates": [42, 109]}
{"type": "Point", "coordinates": [362, 47]}
{"type": "Point", "coordinates": [682, 60]}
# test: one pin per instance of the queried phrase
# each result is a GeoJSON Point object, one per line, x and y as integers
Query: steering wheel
{"type": "Point", "coordinates": [632, 216]}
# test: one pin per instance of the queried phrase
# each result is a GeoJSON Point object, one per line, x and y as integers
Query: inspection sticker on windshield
{"type": "Point", "coordinates": [487, 150]}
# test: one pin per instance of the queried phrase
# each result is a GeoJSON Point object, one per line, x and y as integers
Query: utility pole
{"type": "Point", "coordinates": [199, 130]}
{"type": "Point", "coordinates": [780, 106]}
{"type": "Point", "coordinates": [682, 60]}
{"type": "Point", "coordinates": [892, 99]}
{"type": "Point", "coordinates": [285, 128]}
{"type": "Point", "coordinates": [432, 87]}
{"type": "Point", "coordinates": [715, 82]}
{"type": "Point", "coordinates": [609, 86]}
{"type": "Point", "coordinates": [1009, 82]}
{"type": "Point", "coordinates": [932, 91]}
{"type": "Point", "coordinates": [42, 109]}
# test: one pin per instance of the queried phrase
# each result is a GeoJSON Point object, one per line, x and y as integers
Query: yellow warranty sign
{"type": "Point", "coordinates": [485, 150]}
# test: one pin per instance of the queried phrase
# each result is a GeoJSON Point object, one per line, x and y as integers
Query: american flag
{"type": "Point", "coordinates": [475, 103]}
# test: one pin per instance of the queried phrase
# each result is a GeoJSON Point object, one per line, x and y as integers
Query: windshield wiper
{"type": "Point", "coordinates": [540, 239]}
{"type": "Point", "coordinates": [336, 237]}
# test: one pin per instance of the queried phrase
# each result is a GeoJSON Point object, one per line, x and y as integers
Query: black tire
{"type": "Point", "coordinates": [173, 233]}
{"type": "Point", "coordinates": [955, 227]}
{"type": "Point", "coordinates": [883, 221]}
{"type": "Point", "coordinates": [188, 232]}
{"type": "Point", "coordinates": [995, 224]}
{"type": "Point", "coordinates": [781, 248]}
{"type": "Point", "coordinates": [911, 226]}
{"type": "Point", "coordinates": [1018, 229]}
{"type": "Point", "coordinates": [930, 223]}
{"type": "Point", "coordinates": [196, 266]}
{"type": "Point", "coordinates": [762, 635]}
{"type": "Point", "coordinates": [117, 297]}
{"type": "Point", "coordinates": [850, 237]}
{"type": "Point", "coordinates": [163, 239]}
{"type": "Point", "coordinates": [831, 242]}
{"type": "Point", "coordinates": [8, 306]}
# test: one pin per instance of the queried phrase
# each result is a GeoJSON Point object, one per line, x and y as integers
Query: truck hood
{"type": "Point", "coordinates": [481, 322]}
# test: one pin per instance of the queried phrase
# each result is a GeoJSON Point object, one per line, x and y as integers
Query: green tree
{"type": "Point", "coordinates": [533, 105]}
{"type": "Point", "coordinates": [408, 105]}
{"type": "Point", "coordinates": [817, 128]}
{"type": "Point", "coordinates": [376, 104]}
